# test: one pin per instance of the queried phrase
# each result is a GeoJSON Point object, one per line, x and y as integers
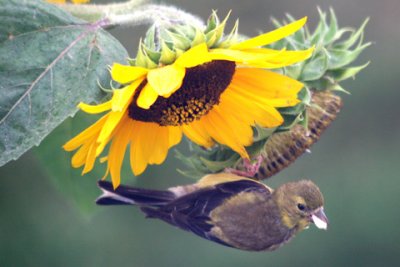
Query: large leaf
{"type": "Point", "coordinates": [49, 62]}
{"type": "Point", "coordinates": [80, 190]}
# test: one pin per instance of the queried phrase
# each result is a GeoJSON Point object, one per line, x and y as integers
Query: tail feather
{"type": "Point", "coordinates": [126, 195]}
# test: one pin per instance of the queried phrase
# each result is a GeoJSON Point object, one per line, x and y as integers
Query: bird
{"type": "Point", "coordinates": [229, 209]}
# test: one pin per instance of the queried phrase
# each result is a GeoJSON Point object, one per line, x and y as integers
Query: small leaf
{"type": "Point", "coordinates": [341, 58]}
{"type": "Point", "coordinates": [262, 133]}
{"type": "Point", "coordinates": [332, 30]}
{"type": "Point", "coordinates": [346, 73]}
{"type": "Point", "coordinates": [353, 38]}
{"type": "Point", "coordinates": [193, 162]}
{"type": "Point", "coordinates": [218, 166]}
{"type": "Point", "coordinates": [319, 32]}
{"type": "Point", "coordinates": [49, 62]}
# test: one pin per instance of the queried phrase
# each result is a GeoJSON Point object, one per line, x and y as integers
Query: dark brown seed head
{"type": "Point", "coordinates": [200, 91]}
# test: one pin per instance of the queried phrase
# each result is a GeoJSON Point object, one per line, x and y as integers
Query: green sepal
{"type": "Point", "coordinates": [179, 41]}
{"type": "Point", "coordinates": [231, 38]}
{"type": "Point", "coordinates": [315, 68]}
{"type": "Point", "coordinates": [340, 58]}
{"type": "Point", "coordinates": [355, 36]}
{"type": "Point", "coordinates": [149, 40]}
{"type": "Point", "coordinates": [344, 74]}
{"type": "Point", "coordinates": [140, 59]}
{"type": "Point", "coordinates": [168, 56]}
{"type": "Point", "coordinates": [152, 55]}
{"type": "Point", "coordinates": [198, 38]}
{"type": "Point", "coordinates": [212, 22]}
{"type": "Point", "coordinates": [216, 34]}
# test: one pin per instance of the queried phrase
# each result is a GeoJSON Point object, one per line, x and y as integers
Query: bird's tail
{"type": "Point", "coordinates": [126, 195]}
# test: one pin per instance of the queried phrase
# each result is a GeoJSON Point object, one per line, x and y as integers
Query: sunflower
{"type": "Point", "coordinates": [212, 94]}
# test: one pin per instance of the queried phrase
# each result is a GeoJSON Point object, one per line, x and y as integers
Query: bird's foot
{"type": "Point", "coordinates": [250, 168]}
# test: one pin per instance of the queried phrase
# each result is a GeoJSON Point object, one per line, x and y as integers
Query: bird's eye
{"type": "Point", "coordinates": [301, 206]}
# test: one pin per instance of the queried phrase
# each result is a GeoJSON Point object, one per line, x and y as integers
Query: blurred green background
{"type": "Point", "coordinates": [356, 164]}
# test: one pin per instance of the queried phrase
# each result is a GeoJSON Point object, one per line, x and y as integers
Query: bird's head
{"type": "Point", "coordinates": [301, 203]}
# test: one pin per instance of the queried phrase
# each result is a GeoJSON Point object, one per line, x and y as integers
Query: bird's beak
{"type": "Point", "coordinates": [319, 218]}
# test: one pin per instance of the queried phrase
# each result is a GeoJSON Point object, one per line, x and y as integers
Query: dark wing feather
{"type": "Point", "coordinates": [191, 212]}
{"type": "Point", "coordinates": [127, 195]}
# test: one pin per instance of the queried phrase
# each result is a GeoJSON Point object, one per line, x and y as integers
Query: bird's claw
{"type": "Point", "coordinates": [250, 169]}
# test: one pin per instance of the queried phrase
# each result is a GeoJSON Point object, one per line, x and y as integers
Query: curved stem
{"type": "Point", "coordinates": [132, 13]}
{"type": "Point", "coordinates": [94, 12]}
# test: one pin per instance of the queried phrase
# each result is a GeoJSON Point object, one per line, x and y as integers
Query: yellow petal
{"type": "Point", "coordinates": [282, 102]}
{"type": "Point", "coordinates": [272, 36]}
{"type": "Point", "coordinates": [194, 56]}
{"type": "Point", "coordinates": [223, 132]}
{"type": "Point", "coordinates": [123, 97]}
{"type": "Point", "coordinates": [252, 95]}
{"type": "Point", "coordinates": [137, 160]}
{"type": "Point", "coordinates": [109, 126]}
{"type": "Point", "coordinates": [286, 58]}
{"type": "Point", "coordinates": [175, 135]}
{"type": "Point", "coordinates": [243, 132]}
{"type": "Point", "coordinates": [239, 56]}
{"type": "Point", "coordinates": [90, 158]}
{"type": "Point", "coordinates": [166, 80]}
{"type": "Point", "coordinates": [84, 136]}
{"type": "Point", "coordinates": [79, 157]}
{"type": "Point", "coordinates": [160, 145]}
{"type": "Point", "coordinates": [125, 74]}
{"type": "Point", "coordinates": [250, 112]}
{"type": "Point", "coordinates": [117, 151]}
{"type": "Point", "coordinates": [282, 55]}
{"type": "Point", "coordinates": [196, 132]}
{"type": "Point", "coordinates": [266, 83]}
{"type": "Point", "coordinates": [94, 109]}
{"type": "Point", "coordinates": [147, 97]}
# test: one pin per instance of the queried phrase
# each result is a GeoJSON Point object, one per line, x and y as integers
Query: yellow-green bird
{"type": "Point", "coordinates": [228, 209]}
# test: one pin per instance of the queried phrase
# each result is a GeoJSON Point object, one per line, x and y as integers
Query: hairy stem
{"type": "Point", "coordinates": [132, 13]}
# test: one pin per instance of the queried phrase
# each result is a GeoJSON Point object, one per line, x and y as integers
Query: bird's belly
{"type": "Point", "coordinates": [250, 226]}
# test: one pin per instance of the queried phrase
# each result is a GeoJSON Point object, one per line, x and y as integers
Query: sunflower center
{"type": "Point", "coordinates": [200, 91]}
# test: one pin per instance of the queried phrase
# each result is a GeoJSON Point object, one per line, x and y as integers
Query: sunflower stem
{"type": "Point", "coordinates": [132, 13]}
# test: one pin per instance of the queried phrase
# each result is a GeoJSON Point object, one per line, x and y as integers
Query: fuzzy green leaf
{"type": "Point", "coordinates": [49, 62]}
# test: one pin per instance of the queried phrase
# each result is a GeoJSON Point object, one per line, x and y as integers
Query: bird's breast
{"type": "Point", "coordinates": [249, 221]}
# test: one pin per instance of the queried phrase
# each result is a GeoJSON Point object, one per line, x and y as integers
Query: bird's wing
{"type": "Point", "coordinates": [223, 177]}
{"type": "Point", "coordinates": [191, 212]}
